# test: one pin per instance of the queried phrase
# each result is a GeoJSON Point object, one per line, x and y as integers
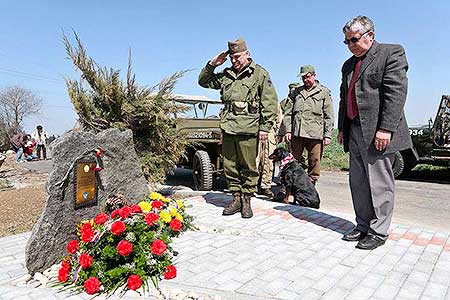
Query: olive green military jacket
{"type": "Point", "coordinates": [311, 115]}
{"type": "Point", "coordinates": [249, 98]}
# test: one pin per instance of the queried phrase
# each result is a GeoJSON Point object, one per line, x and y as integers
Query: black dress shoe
{"type": "Point", "coordinates": [354, 236]}
{"type": "Point", "coordinates": [370, 242]}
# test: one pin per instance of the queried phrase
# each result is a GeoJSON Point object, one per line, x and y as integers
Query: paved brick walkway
{"type": "Point", "coordinates": [283, 252]}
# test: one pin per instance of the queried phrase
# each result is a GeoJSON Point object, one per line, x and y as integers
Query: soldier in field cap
{"type": "Point", "coordinates": [309, 121]}
{"type": "Point", "coordinates": [250, 107]}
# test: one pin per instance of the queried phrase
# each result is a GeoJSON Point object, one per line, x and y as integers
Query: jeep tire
{"type": "Point", "coordinates": [202, 171]}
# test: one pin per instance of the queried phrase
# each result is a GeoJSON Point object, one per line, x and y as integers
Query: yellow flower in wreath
{"type": "Point", "coordinates": [165, 216]}
{"type": "Point", "coordinates": [145, 206]}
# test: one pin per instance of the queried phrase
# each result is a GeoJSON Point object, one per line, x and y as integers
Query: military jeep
{"type": "Point", "coordinates": [204, 154]}
{"type": "Point", "coordinates": [431, 142]}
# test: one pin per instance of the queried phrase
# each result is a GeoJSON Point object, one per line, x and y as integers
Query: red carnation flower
{"type": "Point", "coordinates": [117, 227]}
{"type": "Point", "coordinates": [170, 272]}
{"type": "Point", "coordinates": [175, 224]}
{"type": "Point", "coordinates": [97, 168]}
{"type": "Point", "coordinates": [134, 282]}
{"type": "Point", "coordinates": [158, 247]}
{"type": "Point", "coordinates": [157, 204]}
{"type": "Point", "coordinates": [98, 152]}
{"type": "Point", "coordinates": [136, 208]}
{"type": "Point", "coordinates": [124, 247]}
{"type": "Point", "coordinates": [101, 218]}
{"type": "Point", "coordinates": [63, 275]}
{"type": "Point", "coordinates": [87, 234]}
{"type": "Point", "coordinates": [115, 213]}
{"type": "Point", "coordinates": [92, 285]}
{"type": "Point", "coordinates": [72, 246]}
{"type": "Point", "coordinates": [151, 218]}
{"type": "Point", "coordinates": [86, 260]}
{"type": "Point", "coordinates": [66, 266]}
{"type": "Point", "coordinates": [125, 212]}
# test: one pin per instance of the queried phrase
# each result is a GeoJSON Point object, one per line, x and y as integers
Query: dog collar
{"type": "Point", "coordinates": [286, 160]}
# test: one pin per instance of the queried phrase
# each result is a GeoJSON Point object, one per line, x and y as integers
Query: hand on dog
{"type": "Point", "coordinates": [289, 199]}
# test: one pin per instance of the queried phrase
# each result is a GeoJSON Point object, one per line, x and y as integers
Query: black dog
{"type": "Point", "coordinates": [295, 180]}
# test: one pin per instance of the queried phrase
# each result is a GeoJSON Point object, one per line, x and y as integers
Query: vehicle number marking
{"type": "Point", "coordinates": [416, 132]}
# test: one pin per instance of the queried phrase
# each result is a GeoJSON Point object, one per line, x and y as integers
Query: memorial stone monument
{"type": "Point", "coordinates": [87, 169]}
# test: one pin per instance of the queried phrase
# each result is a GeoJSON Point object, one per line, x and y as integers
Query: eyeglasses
{"type": "Point", "coordinates": [354, 39]}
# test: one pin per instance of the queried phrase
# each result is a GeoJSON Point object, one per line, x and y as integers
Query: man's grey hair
{"type": "Point", "coordinates": [360, 24]}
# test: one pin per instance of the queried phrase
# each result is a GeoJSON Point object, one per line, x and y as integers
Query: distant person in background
{"type": "Point", "coordinates": [265, 165]}
{"type": "Point", "coordinates": [309, 122]}
{"type": "Point", "coordinates": [28, 150]}
{"type": "Point", "coordinates": [40, 136]}
{"type": "Point", "coordinates": [18, 142]}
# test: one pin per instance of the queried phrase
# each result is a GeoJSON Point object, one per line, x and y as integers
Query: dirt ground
{"type": "Point", "coordinates": [22, 197]}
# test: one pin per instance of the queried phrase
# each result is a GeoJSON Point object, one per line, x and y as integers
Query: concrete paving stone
{"type": "Point", "coordinates": [395, 278]}
{"type": "Point", "coordinates": [372, 281]}
{"type": "Point", "coordinates": [272, 274]}
{"type": "Point", "coordinates": [253, 287]}
{"type": "Point", "coordinates": [434, 248]}
{"type": "Point", "coordinates": [418, 277]}
{"type": "Point", "coordinates": [403, 243]}
{"type": "Point", "coordinates": [224, 266]}
{"type": "Point", "coordinates": [360, 293]}
{"type": "Point", "coordinates": [325, 283]}
{"type": "Point", "coordinates": [339, 271]}
{"type": "Point", "coordinates": [417, 249]}
{"type": "Point", "coordinates": [311, 294]}
{"type": "Point", "coordinates": [315, 273]}
{"type": "Point", "coordinates": [425, 267]}
{"type": "Point", "coordinates": [440, 277]}
{"type": "Point", "coordinates": [294, 274]}
{"type": "Point", "coordinates": [15, 293]}
{"type": "Point", "coordinates": [229, 286]}
{"type": "Point", "coordinates": [349, 281]}
{"type": "Point", "coordinates": [335, 293]}
{"type": "Point", "coordinates": [386, 292]}
{"type": "Point", "coordinates": [410, 291]}
{"type": "Point", "coordinates": [288, 295]}
{"type": "Point", "coordinates": [383, 268]}
{"type": "Point", "coordinates": [442, 264]}
{"type": "Point", "coordinates": [246, 276]}
{"type": "Point", "coordinates": [352, 260]}
{"type": "Point", "coordinates": [391, 259]}
{"type": "Point", "coordinates": [430, 257]}
{"type": "Point", "coordinates": [275, 286]}
{"type": "Point", "coordinates": [435, 290]}
{"type": "Point", "coordinates": [330, 262]}
{"type": "Point", "coordinates": [404, 268]}
{"type": "Point", "coordinates": [17, 272]}
{"type": "Point", "coordinates": [301, 284]}
{"type": "Point", "coordinates": [371, 259]}
{"type": "Point", "coordinates": [361, 270]}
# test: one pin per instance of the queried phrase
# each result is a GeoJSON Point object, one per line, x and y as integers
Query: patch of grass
{"type": "Point", "coordinates": [429, 173]}
{"type": "Point", "coordinates": [334, 157]}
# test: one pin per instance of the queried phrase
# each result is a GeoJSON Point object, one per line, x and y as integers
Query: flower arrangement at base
{"type": "Point", "coordinates": [126, 249]}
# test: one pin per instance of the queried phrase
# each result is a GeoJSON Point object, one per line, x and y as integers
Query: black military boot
{"type": "Point", "coordinates": [246, 208]}
{"type": "Point", "coordinates": [235, 205]}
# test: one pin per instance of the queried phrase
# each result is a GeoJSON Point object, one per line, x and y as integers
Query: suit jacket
{"type": "Point", "coordinates": [381, 89]}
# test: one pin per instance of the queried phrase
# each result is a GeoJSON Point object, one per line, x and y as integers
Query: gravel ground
{"type": "Point", "coordinates": [22, 203]}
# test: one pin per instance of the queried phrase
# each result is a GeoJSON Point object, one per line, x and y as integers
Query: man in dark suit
{"type": "Point", "coordinates": [372, 127]}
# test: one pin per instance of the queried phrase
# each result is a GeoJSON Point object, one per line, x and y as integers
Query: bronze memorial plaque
{"type": "Point", "coordinates": [85, 184]}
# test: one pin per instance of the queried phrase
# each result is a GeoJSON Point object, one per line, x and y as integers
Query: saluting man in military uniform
{"type": "Point", "coordinates": [250, 106]}
{"type": "Point", "coordinates": [309, 124]}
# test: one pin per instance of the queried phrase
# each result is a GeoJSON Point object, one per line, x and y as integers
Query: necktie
{"type": "Point", "coordinates": [352, 109]}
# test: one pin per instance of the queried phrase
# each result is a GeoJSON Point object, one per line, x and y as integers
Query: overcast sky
{"type": "Point", "coordinates": [168, 36]}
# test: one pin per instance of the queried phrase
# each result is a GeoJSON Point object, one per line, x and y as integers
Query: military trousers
{"type": "Point", "coordinates": [265, 165]}
{"type": "Point", "coordinates": [372, 185]}
{"type": "Point", "coordinates": [239, 162]}
{"type": "Point", "coordinates": [314, 147]}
